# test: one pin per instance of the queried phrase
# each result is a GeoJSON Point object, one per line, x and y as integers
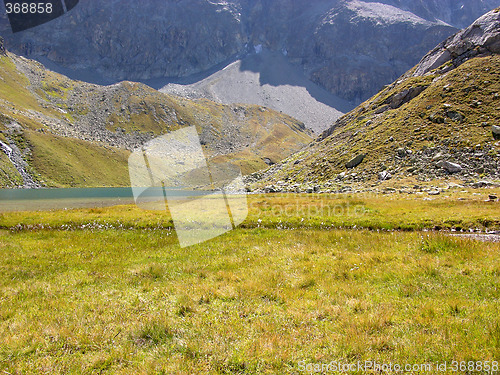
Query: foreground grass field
{"type": "Point", "coordinates": [108, 290]}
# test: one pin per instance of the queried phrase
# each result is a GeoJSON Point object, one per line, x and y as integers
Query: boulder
{"type": "Point", "coordinates": [401, 152]}
{"type": "Point", "coordinates": [495, 130]}
{"type": "Point", "coordinates": [384, 175]}
{"type": "Point", "coordinates": [354, 162]}
{"type": "Point", "coordinates": [449, 166]}
{"type": "Point", "coordinates": [268, 161]}
{"type": "Point", "coordinates": [455, 116]}
{"type": "Point", "coordinates": [402, 97]}
{"type": "Point", "coordinates": [482, 183]}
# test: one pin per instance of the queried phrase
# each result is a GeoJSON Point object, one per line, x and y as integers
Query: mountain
{"type": "Point", "coordinates": [350, 48]}
{"type": "Point", "coordinates": [55, 131]}
{"type": "Point", "coordinates": [440, 120]}
{"type": "Point", "coordinates": [270, 80]}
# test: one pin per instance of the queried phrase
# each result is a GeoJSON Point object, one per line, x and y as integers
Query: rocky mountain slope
{"type": "Point", "coordinates": [349, 47]}
{"type": "Point", "coordinates": [268, 79]}
{"type": "Point", "coordinates": [59, 132]}
{"type": "Point", "coordinates": [440, 120]}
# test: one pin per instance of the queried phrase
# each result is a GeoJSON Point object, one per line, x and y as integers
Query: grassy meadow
{"type": "Point", "coordinates": [305, 279]}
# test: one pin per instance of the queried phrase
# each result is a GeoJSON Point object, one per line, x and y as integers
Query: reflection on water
{"type": "Point", "coordinates": [51, 199]}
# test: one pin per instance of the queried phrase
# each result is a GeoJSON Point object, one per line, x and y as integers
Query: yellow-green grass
{"type": "Point", "coordinates": [471, 90]}
{"type": "Point", "coordinates": [69, 162]}
{"type": "Point", "coordinates": [108, 290]}
{"type": "Point", "coordinates": [57, 161]}
{"type": "Point", "coordinates": [454, 210]}
{"type": "Point", "coordinates": [7, 171]}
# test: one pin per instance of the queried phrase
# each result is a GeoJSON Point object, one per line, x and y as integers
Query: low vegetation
{"type": "Point", "coordinates": [312, 278]}
{"type": "Point", "coordinates": [452, 116]}
{"type": "Point", "coordinates": [75, 134]}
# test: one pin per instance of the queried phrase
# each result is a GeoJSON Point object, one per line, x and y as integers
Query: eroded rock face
{"type": "Point", "coordinates": [351, 48]}
{"type": "Point", "coordinates": [480, 38]}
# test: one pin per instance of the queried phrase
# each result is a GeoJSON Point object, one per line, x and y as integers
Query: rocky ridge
{"type": "Point", "coordinates": [435, 122]}
{"type": "Point", "coordinates": [71, 133]}
{"type": "Point", "coordinates": [351, 48]}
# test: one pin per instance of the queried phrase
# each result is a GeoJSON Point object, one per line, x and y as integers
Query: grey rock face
{"type": "Point", "coordinates": [459, 14]}
{"type": "Point", "coordinates": [480, 38]}
{"type": "Point", "coordinates": [351, 48]}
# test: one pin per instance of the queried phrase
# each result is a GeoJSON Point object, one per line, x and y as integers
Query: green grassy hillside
{"type": "Point", "coordinates": [438, 121]}
{"type": "Point", "coordinates": [71, 133]}
{"type": "Point", "coordinates": [450, 119]}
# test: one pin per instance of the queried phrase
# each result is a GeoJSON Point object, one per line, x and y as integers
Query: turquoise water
{"type": "Point", "coordinates": [50, 199]}
{"type": "Point", "coordinates": [47, 199]}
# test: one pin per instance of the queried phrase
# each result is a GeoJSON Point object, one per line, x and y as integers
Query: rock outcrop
{"type": "Point", "coordinates": [482, 38]}
{"type": "Point", "coordinates": [2, 48]}
{"type": "Point", "coordinates": [441, 123]}
{"type": "Point", "coordinates": [351, 48]}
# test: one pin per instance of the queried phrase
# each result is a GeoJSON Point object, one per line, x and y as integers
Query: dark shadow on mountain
{"type": "Point", "coordinates": [274, 69]}
{"type": "Point", "coordinates": [158, 83]}
{"type": "Point", "coordinates": [95, 77]}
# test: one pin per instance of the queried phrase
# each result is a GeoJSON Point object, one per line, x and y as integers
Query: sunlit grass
{"type": "Point", "coordinates": [259, 299]}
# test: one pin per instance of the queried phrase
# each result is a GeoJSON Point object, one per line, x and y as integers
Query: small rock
{"type": "Point", "coordinates": [434, 192]}
{"type": "Point", "coordinates": [401, 152]}
{"type": "Point", "coordinates": [437, 157]}
{"type": "Point", "coordinates": [382, 109]}
{"type": "Point", "coordinates": [268, 161]}
{"type": "Point", "coordinates": [384, 175]}
{"type": "Point", "coordinates": [492, 197]}
{"type": "Point", "coordinates": [482, 183]}
{"type": "Point", "coordinates": [436, 118]}
{"type": "Point", "coordinates": [455, 116]}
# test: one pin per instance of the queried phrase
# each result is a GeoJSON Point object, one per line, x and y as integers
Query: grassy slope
{"type": "Point", "coordinates": [71, 162]}
{"type": "Point", "coordinates": [62, 161]}
{"type": "Point", "coordinates": [127, 299]}
{"type": "Point", "coordinates": [410, 126]}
